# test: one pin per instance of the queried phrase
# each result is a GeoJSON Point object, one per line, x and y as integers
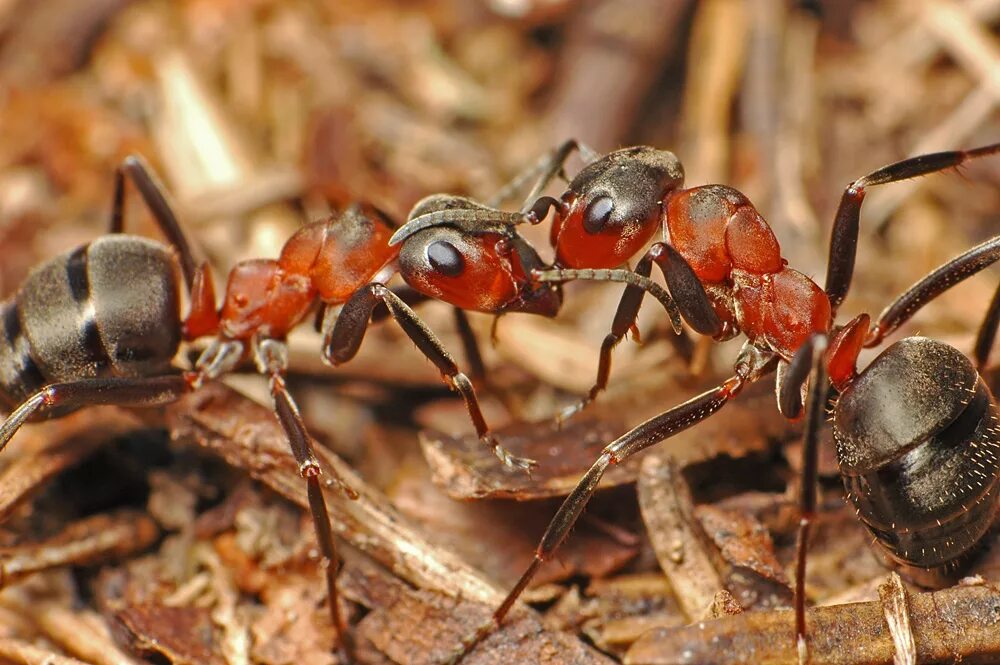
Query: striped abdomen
{"type": "Point", "coordinates": [108, 308]}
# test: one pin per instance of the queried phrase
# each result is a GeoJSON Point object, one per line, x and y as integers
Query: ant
{"type": "Point", "coordinates": [576, 257]}
{"type": "Point", "coordinates": [101, 323]}
{"type": "Point", "coordinates": [912, 424]}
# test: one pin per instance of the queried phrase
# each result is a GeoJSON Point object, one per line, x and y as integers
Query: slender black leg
{"type": "Point", "coordinates": [934, 284]}
{"type": "Point", "coordinates": [687, 290]}
{"type": "Point", "coordinates": [272, 360]}
{"type": "Point", "coordinates": [136, 392]}
{"type": "Point", "coordinates": [809, 362]}
{"type": "Point", "coordinates": [628, 309]}
{"type": "Point", "coordinates": [343, 339]}
{"type": "Point", "coordinates": [751, 366]}
{"type": "Point", "coordinates": [544, 171]}
{"type": "Point", "coordinates": [619, 275]}
{"type": "Point", "coordinates": [987, 332]}
{"type": "Point", "coordinates": [142, 176]}
{"type": "Point", "coordinates": [477, 368]}
{"type": "Point", "coordinates": [846, 225]}
{"type": "Point", "coordinates": [647, 434]}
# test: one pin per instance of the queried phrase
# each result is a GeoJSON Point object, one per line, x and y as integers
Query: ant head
{"type": "Point", "coordinates": [614, 206]}
{"type": "Point", "coordinates": [469, 255]}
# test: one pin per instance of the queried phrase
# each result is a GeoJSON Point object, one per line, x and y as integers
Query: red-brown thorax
{"type": "Point", "coordinates": [326, 260]}
{"type": "Point", "coordinates": [735, 255]}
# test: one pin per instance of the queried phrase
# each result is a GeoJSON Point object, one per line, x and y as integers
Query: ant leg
{"type": "Point", "coordinates": [687, 296]}
{"type": "Point", "coordinates": [846, 225]}
{"type": "Point", "coordinates": [135, 168]}
{"type": "Point", "coordinates": [543, 172]}
{"type": "Point", "coordinates": [342, 340]}
{"type": "Point", "coordinates": [934, 284]}
{"type": "Point", "coordinates": [473, 356]}
{"type": "Point", "coordinates": [623, 276]}
{"type": "Point", "coordinates": [477, 368]}
{"type": "Point", "coordinates": [987, 332]}
{"type": "Point", "coordinates": [628, 309]}
{"type": "Point", "coordinates": [134, 392]}
{"type": "Point", "coordinates": [808, 363]}
{"type": "Point", "coordinates": [202, 318]}
{"type": "Point", "coordinates": [687, 290]}
{"type": "Point", "coordinates": [271, 356]}
{"type": "Point", "coordinates": [649, 433]}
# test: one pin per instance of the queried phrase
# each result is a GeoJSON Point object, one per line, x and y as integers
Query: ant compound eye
{"type": "Point", "coordinates": [597, 214]}
{"type": "Point", "coordinates": [444, 258]}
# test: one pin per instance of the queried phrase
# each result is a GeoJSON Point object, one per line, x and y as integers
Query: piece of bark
{"type": "Point", "coordinates": [386, 634]}
{"type": "Point", "coordinates": [753, 573]}
{"type": "Point", "coordinates": [957, 624]}
{"type": "Point", "coordinates": [725, 604]}
{"type": "Point", "coordinates": [246, 435]}
{"type": "Point", "coordinates": [619, 610]}
{"type": "Point", "coordinates": [184, 635]}
{"type": "Point", "coordinates": [444, 622]}
{"type": "Point", "coordinates": [689, 560]}
{"type": "Point", "coordinates": [501, 536]}
{"type": "Point", "coordinates": [86, 541]}
{"type": "Point", "coordinates": [466, 469]}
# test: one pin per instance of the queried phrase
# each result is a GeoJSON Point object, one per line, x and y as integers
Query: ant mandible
{"type": "Point", "coordinates": [724, 270]}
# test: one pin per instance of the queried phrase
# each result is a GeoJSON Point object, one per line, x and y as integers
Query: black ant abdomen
{"type": "Point", "coordinates": [107, 308]}
{"type": "Point", "coordinates": [919, 447]}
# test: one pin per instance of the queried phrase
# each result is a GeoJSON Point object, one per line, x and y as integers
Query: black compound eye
{"type": "Point", "coordinates": [597, 214]}
{"type": "Point", "coordinates": [445, 258]}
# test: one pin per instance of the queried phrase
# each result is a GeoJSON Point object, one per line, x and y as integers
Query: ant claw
{"type": "Point", "coordinates": [571, 411]}
{"type": "Point", "coordinates": [509, 460]}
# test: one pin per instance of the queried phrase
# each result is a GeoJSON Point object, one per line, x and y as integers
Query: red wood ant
{"type": "Point", "coordinates": [101, 324]}
{"type": "Point", "coordinates": [912, 424]}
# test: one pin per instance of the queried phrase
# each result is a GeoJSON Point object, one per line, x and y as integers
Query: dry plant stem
{"type": "Point", "coordinates": [957, 624]}
{"type": "Point", "coordinates": [895, 604]}
{"type": "Point", "coordinates": [965, 39]}
{"type": "Point", "coordinates": [84, 634]}
{"type": "Point", "coordinates": [245, 435]}
{"type": "Point", "coordinates": [715, 65]}
{"type": "Point", "coordinates": [197, 142]}
{"type": "Point", "coordinates": [763, 92]}
{"type": "Point", "coordinates": [615, 48]}
{"type": "Point", "coordinates": [86, 541]}
{"type": "Point", "coordinates": [795, 140]}
{"type": "Point", "coordinates": [261, 188]}
{"type": "Point", "coordinates": [681, 547]}
{"type": "Point", "coordinates": [960, 33]}
{"type": "Point", "coordinates": [16, 651]}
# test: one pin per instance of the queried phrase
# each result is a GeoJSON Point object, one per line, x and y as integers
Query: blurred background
{"type": "Point", "coordinates": [260, 115]}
